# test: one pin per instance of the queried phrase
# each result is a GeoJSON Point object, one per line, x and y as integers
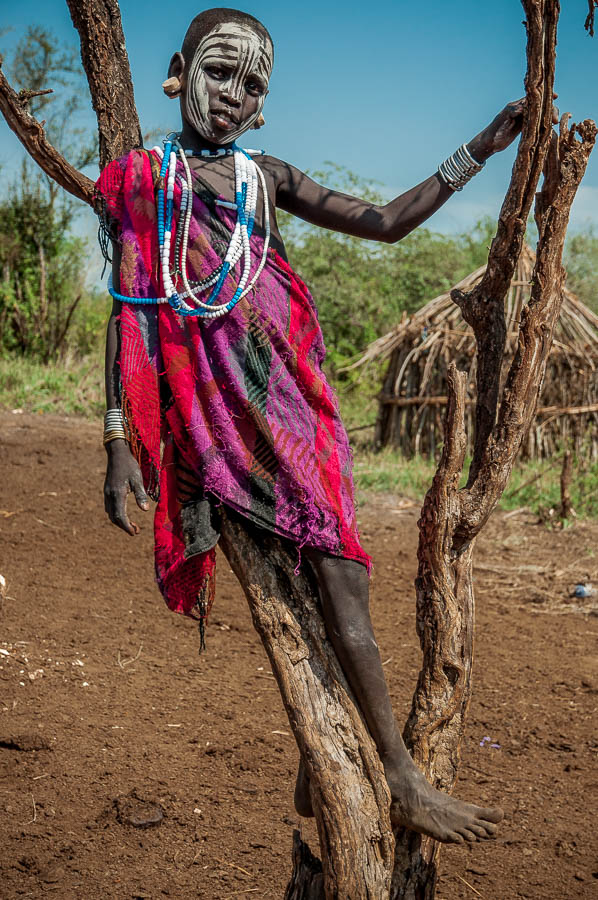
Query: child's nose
{"type": "Point", "coordinates": [231, 94]}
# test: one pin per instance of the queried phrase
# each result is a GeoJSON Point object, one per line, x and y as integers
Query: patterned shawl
{"type": "Point", "coordinates": [233, 410]}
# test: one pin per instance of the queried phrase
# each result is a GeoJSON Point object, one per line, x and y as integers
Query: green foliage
{"type": "Point", "coordinates": [42, 268]}
{"type": "Point", "coordinates": [72, 386]}
{"type": "Point", "coordinates": [581, 264]}
{"type": "Point", "coordinates": [39, 63]}
{"type": "Point", "coordinates": [45, 307]}
{"type": "Point", "coordinates": [537, 486]}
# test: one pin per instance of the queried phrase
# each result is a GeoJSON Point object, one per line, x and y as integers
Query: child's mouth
{"type": "Point", "coordinates": [222, 120]}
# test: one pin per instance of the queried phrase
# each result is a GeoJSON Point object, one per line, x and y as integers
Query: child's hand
{"type": "Point", "coordinates": [122, 476]}
{"type": "Point", "coordinates": [502, 131]}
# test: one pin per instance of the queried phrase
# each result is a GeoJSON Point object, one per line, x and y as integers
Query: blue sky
{"type": "Point", "coordinates": [387, 89]}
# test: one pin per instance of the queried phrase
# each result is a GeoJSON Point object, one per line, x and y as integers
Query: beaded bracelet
{"type": "Point", "coordinates": [459, 168]}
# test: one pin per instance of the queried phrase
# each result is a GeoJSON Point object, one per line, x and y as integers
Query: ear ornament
{"type": "Point", "coordinates": [172, 87]}
{"type": "Point", "coordinates": [259, 122]}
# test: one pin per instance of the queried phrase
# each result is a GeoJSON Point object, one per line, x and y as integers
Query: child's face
{"type": "Point", "coordinates": [227, 82]}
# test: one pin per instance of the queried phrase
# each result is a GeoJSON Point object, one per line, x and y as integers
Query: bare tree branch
{"type": "Point", "coordinates": [589, 23]}
{"type": "Point", "coordinates": [527, 370]}
{"type": "Point", "coordinates": [33, 137]}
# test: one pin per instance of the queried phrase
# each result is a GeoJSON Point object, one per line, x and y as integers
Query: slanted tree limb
{"type": "Point", "coordinates": [32, 135]}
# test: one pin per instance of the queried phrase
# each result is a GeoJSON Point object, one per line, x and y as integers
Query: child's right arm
{"type": "Point", "coordinates": [299, 195]}
{"type": "Point", "coordinates": [123, 474]}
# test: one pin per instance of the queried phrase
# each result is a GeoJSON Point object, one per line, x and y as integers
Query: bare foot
{"type": "Point", "coordinates": [415, 804]}
{"type": "Point", "coordinates": [302, 797]}
{"type": "Point", "coordinates": [420, 807]}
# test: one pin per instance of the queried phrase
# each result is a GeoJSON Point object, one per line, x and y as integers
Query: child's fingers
{"type": "Point", "coordinates": [116, 507]}
{"type": "Point", "coordinates": [139, 491]}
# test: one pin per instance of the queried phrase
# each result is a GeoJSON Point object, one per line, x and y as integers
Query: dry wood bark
{"type": "Point", "coordinates": [451, 519]}
{"type": "Point", "coordinates": [348, 788]}
{"type": "Point", "coordinates": [106, 64]}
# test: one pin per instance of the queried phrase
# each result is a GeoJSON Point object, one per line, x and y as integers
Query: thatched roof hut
{"type": "Point", "coordinates": [420, 348]}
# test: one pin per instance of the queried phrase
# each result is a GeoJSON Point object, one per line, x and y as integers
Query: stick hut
{"type": "Point", "coordinates": [413, 399]}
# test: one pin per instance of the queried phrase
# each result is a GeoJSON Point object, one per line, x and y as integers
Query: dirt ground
{"type": "Point", "coordinates": [108, 686]}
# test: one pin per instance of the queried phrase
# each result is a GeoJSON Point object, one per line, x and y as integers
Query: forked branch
{"type": "Point", "coordinates": [526, 374]}
{"type": "Point", "coordinates": [452, 518]}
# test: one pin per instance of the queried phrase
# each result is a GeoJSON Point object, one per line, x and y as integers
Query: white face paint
{"type": "Point", "coordinates": [240, 53]}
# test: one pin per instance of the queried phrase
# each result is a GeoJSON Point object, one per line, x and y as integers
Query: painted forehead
{"type": "Point", "coordinates": [233, 43]}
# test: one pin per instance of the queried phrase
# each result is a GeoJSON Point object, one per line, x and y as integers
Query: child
{"type": "Point", "coordinates": [214, 353]}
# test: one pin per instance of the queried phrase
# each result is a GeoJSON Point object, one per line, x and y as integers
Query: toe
{"type": "Point", "coordinates": [469, 835]}
{"type": "Point", "coordinates": [489, 828]}
{"type": "Point", "coordinates": [479, 831]}
{"type": "Point", "coordinates": [453, 837]}
{"type": "Point", "coordinates": [494, 815]}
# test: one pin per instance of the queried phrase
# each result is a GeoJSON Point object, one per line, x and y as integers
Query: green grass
{"type": "Point", "coordinates": [388, 472]}
{"type": "Point", "coordinates": [535, 485]}
{"type": "Point", "coordinates": [71, 387]}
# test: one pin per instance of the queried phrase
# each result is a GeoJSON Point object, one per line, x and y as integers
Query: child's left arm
{"type": "Point", "coordinates": [300, 195]}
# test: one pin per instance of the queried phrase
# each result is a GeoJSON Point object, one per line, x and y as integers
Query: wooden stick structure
{"type": "Point", "coordinates": [420, 349]}
{"type": "Point", "coordinates": [349, 793]}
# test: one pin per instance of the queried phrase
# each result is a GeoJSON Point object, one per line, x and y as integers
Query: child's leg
{"type": "Point", "coordinates": [344, 591]}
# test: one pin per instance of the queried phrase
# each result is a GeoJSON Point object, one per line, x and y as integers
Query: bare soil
{"type": "Point", "coordinates": [105, 705]}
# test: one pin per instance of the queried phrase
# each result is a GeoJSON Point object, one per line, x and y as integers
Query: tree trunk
{"type": "Point", "coordinates": [349, 793]}
{"type": "Point", "coordinates": [106, 64]}
{"type": "Point", "coordinates": [348, 789]}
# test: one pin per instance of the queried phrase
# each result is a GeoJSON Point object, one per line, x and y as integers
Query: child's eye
{"type": "Point", "coordinates": [215, 72]}
{"type": "Point", "coordinates": [254, 87]}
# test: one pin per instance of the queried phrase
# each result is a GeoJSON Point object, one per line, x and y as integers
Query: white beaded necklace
{"type": "Point", "coordinates": [247, 179]}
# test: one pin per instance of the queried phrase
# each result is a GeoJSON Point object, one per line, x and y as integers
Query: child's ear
{"type": "Point", "coordinates": [173, 85]}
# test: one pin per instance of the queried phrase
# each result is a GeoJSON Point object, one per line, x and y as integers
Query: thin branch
{"type": "Point", "coordinates": [589, 23]}
{"type": "Point", "coordinates": [26, 96]}
{"type": "Point", "coordinates": [33, 137]}
{"type": "Point", "coordinates": [67, 324]}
